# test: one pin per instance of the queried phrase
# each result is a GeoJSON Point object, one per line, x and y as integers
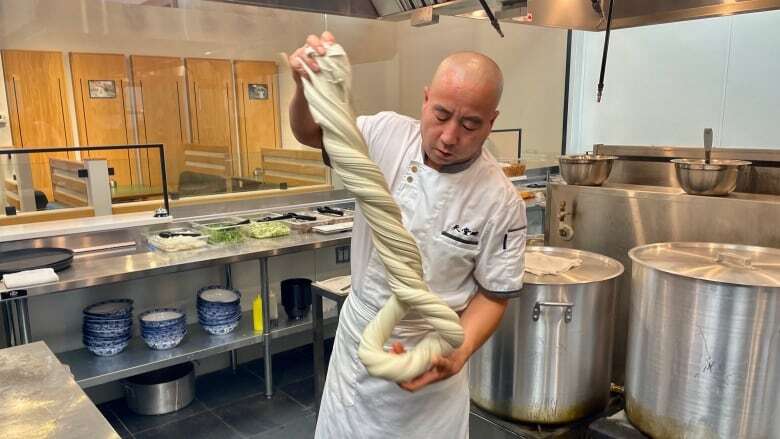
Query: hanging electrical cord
{"type": "Point", "coordinates": [604, 55]}
{"type": "Point", "coordinates": [491, 17]}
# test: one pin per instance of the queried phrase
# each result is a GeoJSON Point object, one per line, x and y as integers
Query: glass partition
{"type": "Point", "coordinates": [98, 178]}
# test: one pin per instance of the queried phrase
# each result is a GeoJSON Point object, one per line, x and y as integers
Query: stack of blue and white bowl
{"type": "Point", "coordinates": [163, 328]}
{"type": "Point", "coordinates": [108, 326]}
{"type": "Point", "coordinates": [219, 309]}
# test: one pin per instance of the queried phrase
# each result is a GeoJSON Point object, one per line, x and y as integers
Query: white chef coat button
{"type": "Point", "coordinates": [414, 168]}
{"type": "Point", "coordinates": [409, 179]}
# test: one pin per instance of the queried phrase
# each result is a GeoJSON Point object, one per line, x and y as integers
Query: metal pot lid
{"type": "Point", "coordinates": [723, 263]}
{"type": "Point", "coordinates": [594, 267]}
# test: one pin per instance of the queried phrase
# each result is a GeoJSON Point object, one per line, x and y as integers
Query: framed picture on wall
{"type": "Point", "coordinates": [102, 88]}
{"type": "Point", "coordinates": [258, 91]}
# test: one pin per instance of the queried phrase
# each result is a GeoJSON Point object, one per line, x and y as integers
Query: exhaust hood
{"type": "Point", "coordinates": [587, 15]}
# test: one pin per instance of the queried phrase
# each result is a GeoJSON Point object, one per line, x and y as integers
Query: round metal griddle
{"type": "Point", "coordinates": [32, 258]}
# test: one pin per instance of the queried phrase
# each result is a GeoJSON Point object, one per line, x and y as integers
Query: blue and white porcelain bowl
{"type": "Point", "coordinates": [109, 350]}
{"type": "Point", "coordinates": [163, 328]}
{"type": "Point", "coordinates": [106, 333]}
{"type": "Point", "coordinates": [108, 326]}
{"type": "Point", "coordinates": [104, 341]}
{"type": "Point", "coordinates": [219, 321]}
{"type": "Point", "coordinates": [161, 317]}
{"type": "Point", "coordinates": [110, 309]}
{"type": "Point", "coordinates": [219, 309]}
{"type": "Point", "coordinates": [214, 315]}
{"type": "Point", "coordinates": [216, 295]}
{"type": "Point", "coordinates": [166, 341]}
{"type": "Point", "coordinates": [157, 333]}
{"type": "Point", "coordinates": [220, 329]}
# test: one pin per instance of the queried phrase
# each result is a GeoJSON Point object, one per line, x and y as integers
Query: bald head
{"type": "Point", "coordinates": [459, 108]}
{"type": "Point", "coordinates": [472, 73]}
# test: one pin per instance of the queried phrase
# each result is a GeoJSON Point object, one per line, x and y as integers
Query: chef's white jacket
{"type": "Point", "coordinates": [470, 227]}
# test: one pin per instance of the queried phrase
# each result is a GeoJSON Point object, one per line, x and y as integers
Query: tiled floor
{"type": "Point", "coordinates": [231, 405]}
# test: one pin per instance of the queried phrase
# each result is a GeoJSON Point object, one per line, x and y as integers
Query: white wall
{"type": "Point", "coordinates": [666, 83]}
{"type": "Point", "coordinates": [532, 59]}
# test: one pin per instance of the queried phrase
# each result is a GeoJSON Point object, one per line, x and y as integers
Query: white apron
{"type": "Point", "coordinates": [463, 244]}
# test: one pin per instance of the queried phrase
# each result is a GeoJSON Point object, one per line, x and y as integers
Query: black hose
{"type": "Point", "coordinates": [604, 55]}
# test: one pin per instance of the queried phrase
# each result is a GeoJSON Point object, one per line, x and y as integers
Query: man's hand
{"type": "Point", "coordinates": [441, 369]}
{"type": "Point", "coordinates": [314, 45]}
{"type": "Point", "coordinates": [304, 128]}
{"type": "Point", "coordinates": [480, 319]}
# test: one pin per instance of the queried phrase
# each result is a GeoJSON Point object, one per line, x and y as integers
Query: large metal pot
{"type": "Point", "coordinates": [549, 361]}
{"type": "Point", "coordinates": [161, 391]}
{"type": "Point", "coordinates": [704, 341]}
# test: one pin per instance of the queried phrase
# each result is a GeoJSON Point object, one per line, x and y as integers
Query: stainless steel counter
{"type": "Point", "coordinates": [136, 261]}
{"type": "Point", "coordinates": [40, 399]}
{"type": "Point", "coordinates": [92, 271]}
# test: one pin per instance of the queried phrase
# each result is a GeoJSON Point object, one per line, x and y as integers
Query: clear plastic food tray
{"type": "Point", "coordinates": [222, 230]}
{"type": "Point", "coordinates": [175, 242]}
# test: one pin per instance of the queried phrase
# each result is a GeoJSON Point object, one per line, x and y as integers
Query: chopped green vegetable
{"type": "Point", "coordinates": [266, 229]}
{"type": "Point", "coordinates": [227, 235]}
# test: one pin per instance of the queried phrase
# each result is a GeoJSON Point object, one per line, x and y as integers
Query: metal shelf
{"type": "Point", "coordinates": [90, 370]}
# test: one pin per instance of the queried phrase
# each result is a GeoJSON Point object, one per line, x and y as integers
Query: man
{"type": "Point", "coordinates": [469, 225]}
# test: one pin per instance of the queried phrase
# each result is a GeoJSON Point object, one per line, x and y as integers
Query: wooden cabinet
{"type": "Point", "coordinates": [161, 113]}
{"type": "Point", "coordinates": [103, 110]}
{"type": "Point", "coordinates": [38, 110]}
{"type": "Point", "coordinates": [212, 104]}
{"type": "Point", "coordinates": [258, 119]}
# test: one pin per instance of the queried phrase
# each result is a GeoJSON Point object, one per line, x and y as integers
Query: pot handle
{"type": "Point", "coordinates": [568, 309]}
{"type": "Point", "coordinates": [735, 261]}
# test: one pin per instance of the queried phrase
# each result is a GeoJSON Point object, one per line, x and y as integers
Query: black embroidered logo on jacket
{"type": "Point", "coordinates": [462, 234]}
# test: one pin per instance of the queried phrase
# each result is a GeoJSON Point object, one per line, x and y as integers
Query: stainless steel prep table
{"type": "Point", "coordinates": [39, 398]}
{"type": "Point", "coordinates": [88, 272]}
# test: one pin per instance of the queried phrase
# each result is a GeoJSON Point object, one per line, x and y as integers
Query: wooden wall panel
{"type": "Point", "coordinates": [38, 109]}
{"type": "Point", "coordinates": [105, 120]}
{"type": "Point", "coordinates": [296, 167]}
{"type": "Point", "coordinates": [258, 119]}
{"type": "Point", "coordinates": [212, 103]}
{"type": "Point", "coordinates": [161, 113]}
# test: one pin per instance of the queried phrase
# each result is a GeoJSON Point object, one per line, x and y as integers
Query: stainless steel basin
{"type": "Point", "coordinates": [717, 178]}
{"type": "Point", "coordinates": [586, 170]}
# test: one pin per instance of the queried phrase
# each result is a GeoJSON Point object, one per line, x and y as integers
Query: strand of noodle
{"type": "Point", "coordinates": [328, 95]}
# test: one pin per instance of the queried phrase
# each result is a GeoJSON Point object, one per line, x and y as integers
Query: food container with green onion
{"type": "Point", "coordinates": [223, 230]}
{"type": "Point", "coordinates": [265, 229]}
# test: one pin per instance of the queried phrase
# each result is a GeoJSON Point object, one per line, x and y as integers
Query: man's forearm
{"type": "Point", "coordinates": [479, 320]}
{"type": "Point", "coordinates": [304, 128]}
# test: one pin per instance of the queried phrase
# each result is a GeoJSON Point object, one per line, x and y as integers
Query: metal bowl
{"type": "Point", "coordinates": [718, 178]}
{"type": "Point", "coordinates": [586, 170]}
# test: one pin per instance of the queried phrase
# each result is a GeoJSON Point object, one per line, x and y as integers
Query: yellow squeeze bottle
{"type": "Point", "coordinates": [257, 313]}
